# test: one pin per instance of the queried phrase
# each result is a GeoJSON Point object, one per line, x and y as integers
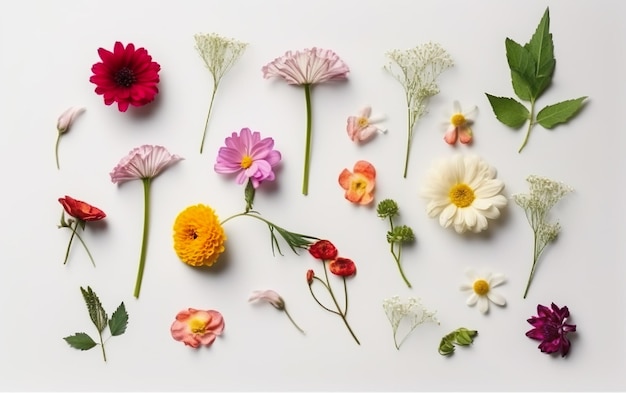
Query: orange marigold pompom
{"type": "Point", "coordinates": [198, 236]}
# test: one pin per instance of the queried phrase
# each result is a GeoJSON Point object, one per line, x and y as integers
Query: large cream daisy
{"type": "Point", "coordinates": [464, 192]}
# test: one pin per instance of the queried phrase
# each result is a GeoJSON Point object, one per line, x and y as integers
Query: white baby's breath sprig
{"type": "Point", "coordinates": [219, 55]}
{"type": "Point", "coordinates": [544, 194]}
{"type": "Point", "coordinates": [412, 310]}
{"type": "Point", "coordinates": [417, 70]}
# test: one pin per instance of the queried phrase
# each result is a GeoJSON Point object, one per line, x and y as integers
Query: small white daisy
{"type": "Point", "coordinates": [481, 291]}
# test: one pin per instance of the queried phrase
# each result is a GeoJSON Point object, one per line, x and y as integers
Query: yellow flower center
{"type": "Point", "coordinates": [358, 185]}
{"type": "Point", "coordinates": [458, 120]}
{"type": "Point", "coordinates": [481, 287]}
{"type": "Point", "coordinates": [246, 162]}
{"type": "Point", "coordinates": [197, 326]}
{"type": "Point", "coordinates": [363, 122]}
{"type": "Point", "coordinates": [461, 195]}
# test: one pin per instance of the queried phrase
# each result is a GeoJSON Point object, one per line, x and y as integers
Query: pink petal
{"type": "Point", "coordinates": [451, 135]}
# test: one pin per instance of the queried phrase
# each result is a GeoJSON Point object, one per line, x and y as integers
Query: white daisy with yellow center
{"type": "Point", "coordinates": [480, 288]}
{"type": "Point", "coordinates": [463, 192]}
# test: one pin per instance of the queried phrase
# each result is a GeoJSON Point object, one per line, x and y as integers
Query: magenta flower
{"type": "Point", "coordinates": [143, 163]}
{"type": "Point", "coordinates": [307, 68]}
{"type": "Point", "coordinates": [551, 329]}
{"type": "Point", "coordinates": [249, 156]}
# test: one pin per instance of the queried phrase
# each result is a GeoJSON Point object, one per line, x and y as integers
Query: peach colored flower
{"type": "Point", "coordinates": [197, 327]}
{"type": "Point", "coordinates": [361, 127]}
{"type": "Point", "coordinates": [359, 185]}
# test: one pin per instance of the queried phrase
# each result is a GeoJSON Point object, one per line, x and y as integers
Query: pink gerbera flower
{"type": "Point", "coordinates": [307, 68]}
{"type": "Point", "coordinates": [197, 327]}
{"type": "Point", "coordinates": [549, 326]}
{"type": "Point", "coordinates": [249, 156]}
{"type": "Point", "coordinates": [127, 76]}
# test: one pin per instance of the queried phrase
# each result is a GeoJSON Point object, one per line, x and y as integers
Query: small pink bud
{"type": "Point", "coordinates": [268, 296]}
{"type": "Point", "coordinates": [67, 118]}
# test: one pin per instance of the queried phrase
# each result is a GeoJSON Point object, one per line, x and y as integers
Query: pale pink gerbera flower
{"type": "Point", "coordinates": [307, 68]}
{"type": "Point", "coordinates": [143, 163]}
{"type": "Point", "coordinates": [197, 327]}
{"type": "Point", "coordinates": [249, 156]}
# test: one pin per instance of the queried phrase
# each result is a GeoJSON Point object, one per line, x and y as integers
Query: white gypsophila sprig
{"type": "Point", "coordinates": [412, 309]}
{"type": "Point", "coordinates": [544, 194]}
{"type": "Point", "coordinates": [219, 55]}
{"type": "Point", "coordinates": [417, 70]}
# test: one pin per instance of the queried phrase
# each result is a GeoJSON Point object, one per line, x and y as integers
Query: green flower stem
{"type": "Point", "coordinates": [531, 123]}
{"type": "Point", "coordinates": [397, 258]}
{"type": "Point", "coordinates": [104, 355]}
{"type": "Point", "coordinates": [307, 151]}
{"type": "Point", "coordinates": [345, 296]}
{"type": "Point", "coordinates": [292, 321]}
{"type": "Point", "coordinates": [206, 123]}
{"type": "Point", "coordinates": [144, 241]}
{"type": "Point", "coordinates": [317, 300]}
{"type": "Point", "coordinates": [536, 254]}
{"type": "Point", "coordinates": [408, 142]}
{"type": "Point", "coordinates": [75, 232]}
{"type": "Point", "coordinates": [56, 149]}
{"type": "Point", "coordinates": [341, 314]}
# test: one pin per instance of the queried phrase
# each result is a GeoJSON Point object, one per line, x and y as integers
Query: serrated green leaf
{"type": "Point", "coordinates": [96, 312]}
{"type": "Point", "coordinates": [552, 115]}
{"type": "Point", "coordinates": [509, 111]}
{"type": "Point", "coordinates": [541, 47]}
{"type": "Point", "coordinates": [119, 321]}
{"type": "Point", "coordinates": [80, 341]}
{"type": "Point", "coordinates": [523, 66]}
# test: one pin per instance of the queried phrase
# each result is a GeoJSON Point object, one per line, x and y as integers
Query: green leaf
{"type": "Point", "coordinates": [541, 47]}
{"type": "Point", "coordinates": [552, 115]}
{"type": "Point", "coordinates": [522, 65]}
{"type": "Point", "coordinates": [249, 195]}
{"type": "Point", "coordinates": [96, 312]}
{"type": "Point", "coordinates": [460, 336]}
{"type": "Point", "coordinates": [80, 341]}
{"type": "Point", "coordinates": [118, 321]}
{"type": "Point", "coordinates": [509, 111]}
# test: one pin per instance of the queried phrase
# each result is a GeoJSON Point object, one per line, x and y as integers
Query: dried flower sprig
{"type": "Point", "coordinates": [117, 324]}
{"type": "Point", "coordinates": [219, 55]}
{"type": "Point", "coordinates": [460, 336]}
{"type": "Point", "coordinates": [388, 208]}
{"type": "Point", "coordinates": [326, 251]}
{"type": "Point", "coordinates": [64, 123]}
{"type": "Point", "coordinates": [273, 298]}
{"type": "Point", "coordinates": [544, 194]}
{"type": "Point", "coordinates": [412, 309]}
{"type": "Point", "coordinates": [417, 70]}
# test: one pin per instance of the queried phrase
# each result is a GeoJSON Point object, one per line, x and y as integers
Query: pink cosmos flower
{"type": "Point", "coordinates": [359, 185]}
{"type": "Point", "coordinates": [361, 128]}
{"type": "Point", "coordinates": [144, 162]}
{"type": "Point", "coordinates": [249, 156]}
{"type": "Point", "coordinates": [549, 326]}
{"type": "Point", "coordinates": [197, 327]}
{"type": "Point", "coordinates": [308, 67]}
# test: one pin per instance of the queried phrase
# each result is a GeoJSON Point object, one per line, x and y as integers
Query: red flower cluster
{"type": "Point", "coordinates": [326, 251]}
{"type": "Point", "coordinates": [127, 76]}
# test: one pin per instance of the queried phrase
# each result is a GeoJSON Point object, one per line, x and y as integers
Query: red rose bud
{"type": "Point", "coordinates": [309, 276]}
{"type": "Point", "coordinates": [342, 267]}
{"type": "Point", "coordinates": [81, 210]}
{"type": "Point", "coordinates": [323, 249]}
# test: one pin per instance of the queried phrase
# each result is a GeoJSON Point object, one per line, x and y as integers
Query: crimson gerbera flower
{"type": "Point", "coordinates": [127, 76]}
{"type": "Point", "coordinates": [551, 329]}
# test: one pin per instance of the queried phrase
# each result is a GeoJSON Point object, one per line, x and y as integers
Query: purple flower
{"type": "Point", "coordinates": [249, 156]}
{"type": "Point", "coordinates": [551, 329]}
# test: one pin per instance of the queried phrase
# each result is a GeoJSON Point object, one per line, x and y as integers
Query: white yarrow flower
{"type": "Point", "coordinates": [412, 310]}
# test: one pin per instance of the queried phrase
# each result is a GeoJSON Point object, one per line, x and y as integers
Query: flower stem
{"type": "Point", "coordinates": [206, 123]}
{"type": "Point", "coordinates": [408, 143]}
{"type": "Point", "coordinates": [104, 355]}
{"type": "Point", "coordinates": [397, 259]}
{"type": "Point", "coordinates": [75, 232]}
{"type": "Point", "coordinates": [530, 125]}
{"type": "Point", "coordinates": [67, 252]}
{"type": "Point", "coordinates": [317, 300]}
{"type": "Point", "coordinates": [307, 151]}
{"type": "Point", "coordinates": [532, 270]}
{"type": "Point", "coordinates": [292, 321]}
{"type": "Point", "coordinates": [341, 314]}
{"type": "Point", "coordinates": [56, 149]}
{"type": "Point", "coordinates": [144, 241]}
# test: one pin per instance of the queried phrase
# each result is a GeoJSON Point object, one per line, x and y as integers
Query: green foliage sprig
{"type": "Point", "coordinates": [532, 67]}
{"type": "Point", "coordinates": [460, 336]}
{"type": "Point", "coordinates": [117, 324]}
{"type": "Point", "coordinates": [388, 208]}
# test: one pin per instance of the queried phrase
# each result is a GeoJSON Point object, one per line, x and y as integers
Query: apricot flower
{"type": "Point", "coordinates": [197, 327]}
{"type": "Point", "coordinates": [359, 185]}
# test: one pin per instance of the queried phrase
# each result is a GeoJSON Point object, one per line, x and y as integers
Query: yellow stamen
{"type": "Point", "coordinates": [458, 120]}
{"type": "Point", "coordinates": [363, 122]}
{"type": "Point", "coordinates": [246, 162]}
{"type": "Point", "coordinates": [461, 195]}
{"type": "Point", "coordinates": [481, 287]}
{"type": "Point", "coordinates": [197, 326]}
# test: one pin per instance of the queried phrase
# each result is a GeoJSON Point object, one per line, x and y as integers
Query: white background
{"type": "Point", "coordinates": [46, 53]}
